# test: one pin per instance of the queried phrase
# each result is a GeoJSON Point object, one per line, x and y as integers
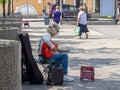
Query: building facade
{"type": "Point", "coordinates": [35, 7]}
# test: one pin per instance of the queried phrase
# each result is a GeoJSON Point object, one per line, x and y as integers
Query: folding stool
{"type": "Point", "coordinates": [46, 64]}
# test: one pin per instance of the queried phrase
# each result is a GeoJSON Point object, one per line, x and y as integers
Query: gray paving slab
{"type": "Point", "coordinates": [112, 31]}
{"type": "Point", "coordinates": [100, 50]}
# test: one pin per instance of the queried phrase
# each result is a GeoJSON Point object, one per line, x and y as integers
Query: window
{"type": "Point", "coordinates": [72, 8]}
{"type": "Point", "coordinates": [66, 8]}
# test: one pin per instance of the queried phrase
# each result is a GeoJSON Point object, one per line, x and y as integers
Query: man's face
{"type": "Point", "coordinates": [56, 33]}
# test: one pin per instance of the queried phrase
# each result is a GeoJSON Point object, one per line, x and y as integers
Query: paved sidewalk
{"type": "Point", "coordinates": [98, 50]}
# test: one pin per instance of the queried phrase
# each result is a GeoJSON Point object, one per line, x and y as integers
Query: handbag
{"type": "Point", "coordinates": [77, 30]}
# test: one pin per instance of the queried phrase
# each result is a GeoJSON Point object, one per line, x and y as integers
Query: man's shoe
{"type": "Point", "coordinates": [68, 78]}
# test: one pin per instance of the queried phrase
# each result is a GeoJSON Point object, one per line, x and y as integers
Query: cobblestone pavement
{"type": "Point", "coordinates": [101, 50]}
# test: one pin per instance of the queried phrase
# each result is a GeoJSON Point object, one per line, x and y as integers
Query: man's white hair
{"type": "Point", "coordinates": [53, 28]}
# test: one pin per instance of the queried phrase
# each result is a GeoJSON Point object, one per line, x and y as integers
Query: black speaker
{"type": "Point", "coordinates": [55, 76]}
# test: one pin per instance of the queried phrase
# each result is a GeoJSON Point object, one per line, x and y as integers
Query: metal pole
{"type": "Point", "coordinates": [115, 16]}
{"type": "Point", "coordinates": [27, 10]}
{"type": "Point", "coordinates": [61, 3]}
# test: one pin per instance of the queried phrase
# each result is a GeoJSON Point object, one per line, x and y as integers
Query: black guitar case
{"type": "Point", "coordinates": [34, 74]}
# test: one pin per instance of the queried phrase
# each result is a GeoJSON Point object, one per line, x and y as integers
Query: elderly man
{"type": "Point", "coordinates": [54, 53]}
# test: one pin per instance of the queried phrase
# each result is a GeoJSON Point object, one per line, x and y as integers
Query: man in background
{"type": "Point", "coordinates": [88, 15]}
{"type": "Point", "coordinates": [44, 11]}
{"type": "Point", "coordinates": [118, 15]}
{"type": "Point", "coordinates": [85, 7]}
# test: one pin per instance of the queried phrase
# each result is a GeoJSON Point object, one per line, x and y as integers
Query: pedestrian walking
{"type": "Point", "coordinates": [44, 11]}
{"type": "Point", "coordinates": [82, 22]}
{"type": "Point", "coordinates": [57, 15]}
{"type": "Point", "coordinates": [85, 8]}
{"type": "Point", "coordinates": [88, 14]}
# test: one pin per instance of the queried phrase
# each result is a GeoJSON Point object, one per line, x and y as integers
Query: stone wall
{"type": "Point", "coordinates": [10, 34]}
{"type": "Point", "coordinates": [10, 65]}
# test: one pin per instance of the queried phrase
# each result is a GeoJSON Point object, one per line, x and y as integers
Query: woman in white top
{"type": "Point", "coordinates": [82, 22]}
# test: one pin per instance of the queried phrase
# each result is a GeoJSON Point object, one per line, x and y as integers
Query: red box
{"type": "Point", "coordinates": [26, 22]}
{"type": "Point", "coordinates": [87, 73]}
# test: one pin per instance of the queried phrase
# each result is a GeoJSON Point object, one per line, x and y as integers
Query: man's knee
{"type": "Point", "coordinates": [65, 55]}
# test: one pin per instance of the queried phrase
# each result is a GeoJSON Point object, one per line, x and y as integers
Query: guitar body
{"type": "Point", "coordinates": [47, 51]}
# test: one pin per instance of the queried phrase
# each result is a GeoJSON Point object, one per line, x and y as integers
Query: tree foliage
{"type": "Point", "coordinates": [3, 1]}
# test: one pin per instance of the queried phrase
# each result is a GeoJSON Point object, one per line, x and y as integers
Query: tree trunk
{"type": "Point", "coordinates": [3, 8]}
{"type": "Point", "coordinates": [9, 8]}
{"type": "Point", "coordinates": [12, 6]}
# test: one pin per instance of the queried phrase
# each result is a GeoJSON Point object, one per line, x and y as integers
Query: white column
{"type": "Point", "coordinates": [54, 2]}
{"type": "Point", "coordinates": [64, 1]}
{"type": "Point", "coordinates": [84, 1]}
{"type": "Point", "coordinates": [93, 5]}
{"type": "Point", "coordinates": [74, 2]}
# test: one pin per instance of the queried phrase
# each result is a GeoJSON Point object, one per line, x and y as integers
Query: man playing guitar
{"type": "Point", "coordinates": [49, 50]}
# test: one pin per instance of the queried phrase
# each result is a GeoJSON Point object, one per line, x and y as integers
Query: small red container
{"type": "Point", "coordinates": [26, 22]}
{"type": "Point", "coordinates": [87, 73]}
